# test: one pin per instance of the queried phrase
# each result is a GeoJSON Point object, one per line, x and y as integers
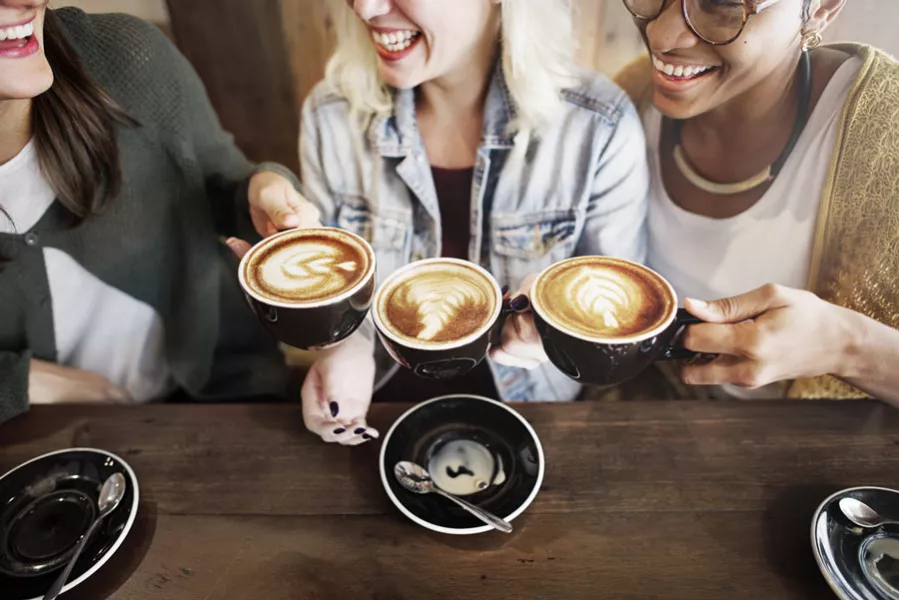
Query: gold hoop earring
{"type": "Point", "coordinates": [810, 40]}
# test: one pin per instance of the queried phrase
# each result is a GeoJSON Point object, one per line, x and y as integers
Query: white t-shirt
{"type": "Point", "coordinates": [97, 327]}
{"type": "Point", "coordinates": [771, 242]}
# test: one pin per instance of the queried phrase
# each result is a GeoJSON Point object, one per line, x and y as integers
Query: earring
{"type": "Point", "coordinates": [810, 40]}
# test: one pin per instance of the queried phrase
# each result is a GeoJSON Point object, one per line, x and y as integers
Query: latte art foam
{"type": "Point", "coordinates": [603, 298]}
{"type": "Point", "coordinates": [306, 266]}
{"type": "Point", "coordinates": [438, 302]}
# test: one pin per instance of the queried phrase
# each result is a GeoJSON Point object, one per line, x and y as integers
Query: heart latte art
{"type": "Point", "coordinates": [306, 266]}
{"type": "Point", "coordinates": [603, 298]}
{"type": "Point", "coordinates": [436, 303]}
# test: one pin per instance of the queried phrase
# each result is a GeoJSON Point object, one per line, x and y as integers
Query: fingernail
{"type": "Point", "coordinates": [359, 430]}
{"type": "Point", "coordinates": [505, 290]}
{"type": "Point", "coordinates": [366, 436]}
{"type": "Point", "coordinates": [520, 303]}
{"type": "Point", "coordinates": [334, 409]}
{"type": "Point", "coordinates": [699, 303]}
{"type": "Point", "coordinates": [339, 430]}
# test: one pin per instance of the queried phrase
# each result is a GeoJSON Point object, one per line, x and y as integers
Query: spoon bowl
{"type": "Point", "coordinates": [863, 515]}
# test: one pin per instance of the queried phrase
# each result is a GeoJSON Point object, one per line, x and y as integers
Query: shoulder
{"type": "Point", "coordinates": [130, 58]}
{"type": "Point", "coordinates": [636, 81]}
{"type": "Point", "coordinates": [598, 94]}
{"type": "Point", "coordinates": [325, 96]}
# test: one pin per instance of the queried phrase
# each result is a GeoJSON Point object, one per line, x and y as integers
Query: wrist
{"type": "Point", "coordinates": [852, 345]}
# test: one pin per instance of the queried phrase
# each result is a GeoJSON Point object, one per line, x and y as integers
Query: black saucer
{"type": "Point", "coordinates": [441, 424]}
{"type": "Point", "coordinates": [46, 505]}
{"type": "Point", "coordinates": [858, 564]}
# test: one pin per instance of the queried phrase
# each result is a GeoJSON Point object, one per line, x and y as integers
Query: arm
{"type": "Point", "coordinates": [233, 183]}
{"type": "Point", "coordinates": [14, 371]}
{"type": "Point", "coordinates": [618, 202]}
{"type": "Point", "coordinates": [872, 356]}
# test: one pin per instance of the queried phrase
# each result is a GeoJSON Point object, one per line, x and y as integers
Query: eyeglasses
{"type": "Point", "coordinates": [715, 22]}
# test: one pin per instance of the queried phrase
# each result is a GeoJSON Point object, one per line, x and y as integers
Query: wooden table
{"type": "Point", "coordinates": [640, 500]}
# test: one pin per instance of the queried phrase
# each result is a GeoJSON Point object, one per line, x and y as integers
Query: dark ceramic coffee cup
{"type": "Point", "coordinates": [602, 361]}
{"type": "Point", "coordinates": [448, 359]}
{"type": "Point", "coordinates": [324, 322]}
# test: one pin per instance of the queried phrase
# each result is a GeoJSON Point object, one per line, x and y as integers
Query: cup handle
{"type": "Point", "coordinates": [496, 333]}
{"type": "Point", "coordinates": [673, 351]}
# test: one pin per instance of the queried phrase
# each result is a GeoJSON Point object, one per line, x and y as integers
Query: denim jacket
{"type": "Point", "coordinates": [580, 188]}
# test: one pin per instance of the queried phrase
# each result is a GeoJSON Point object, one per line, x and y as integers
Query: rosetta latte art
{"type": "Point", "coordinates": [439, 303]}
{"type": "Point", "coordinates": [602, 295]}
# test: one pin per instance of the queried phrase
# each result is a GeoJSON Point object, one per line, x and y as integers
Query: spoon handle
{"type": "Point", "coordinates": [60, 582]}
{"type": "Point", "coordinates": [490, 519]}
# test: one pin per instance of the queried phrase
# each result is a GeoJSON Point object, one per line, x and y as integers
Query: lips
{"type": "Point", "coordinates": [395, 45]}
{"type": "Point", "coordinates": [18, 41]}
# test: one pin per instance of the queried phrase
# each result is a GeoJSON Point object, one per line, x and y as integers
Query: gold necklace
{"type": "Point", "coordinates": [768, 173]}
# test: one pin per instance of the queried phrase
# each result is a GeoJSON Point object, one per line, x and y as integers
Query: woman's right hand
{"type": "Point", "coordinates": [49, 383]}
{"type": "Point", "coordinates": [338, 390]}
{"type": "Point", "coordinates": [275, 205]}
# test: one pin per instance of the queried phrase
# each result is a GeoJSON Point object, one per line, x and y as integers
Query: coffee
{"type": "Point", "coordinates": [305, 267]}
{"type": "Point", "coordinates": [603, 299]}
{"type": "Point", "coordinates": [437, 302]}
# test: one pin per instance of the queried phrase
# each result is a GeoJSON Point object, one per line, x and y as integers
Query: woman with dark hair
{"type": "Point", "coordinates": [116, 181]}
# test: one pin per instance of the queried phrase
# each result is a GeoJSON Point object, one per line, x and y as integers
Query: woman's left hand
{"type": "Point", "coordinates": [521, 345]}
{"type": "Point", "coordinates": [770, 334]}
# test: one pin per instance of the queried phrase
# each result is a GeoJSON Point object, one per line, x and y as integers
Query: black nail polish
{"type": "Point", "coordinates": [366, 436]}
{"type": "Point", "coordinates": [505, 290]}
{"type": "Point", "coordinates": [339, 430]}
{"type": "Point", "coordinates": [359, 430]}
{"type": "Point", "coordinates": [334, 409]}
{"type": "Point", "coordinates": [520, 303]}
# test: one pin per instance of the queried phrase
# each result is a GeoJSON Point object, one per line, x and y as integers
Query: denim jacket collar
{"type": "Point", "coordinates": [396, 135]}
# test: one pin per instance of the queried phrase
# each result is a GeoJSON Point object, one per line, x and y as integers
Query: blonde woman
{"type": "Point", "coordinates": [461, 129]}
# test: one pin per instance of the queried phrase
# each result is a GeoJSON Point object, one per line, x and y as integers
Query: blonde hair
{"type": "Point", "coordinates": [538, 47]}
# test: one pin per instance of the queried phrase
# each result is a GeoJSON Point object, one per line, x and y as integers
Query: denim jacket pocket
{"type": "Point", "coordinates": [534, 235]}
{"type": "Point", "coordinates": [388, 230]}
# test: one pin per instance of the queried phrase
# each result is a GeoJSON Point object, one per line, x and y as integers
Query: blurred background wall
{"type": "Point", "coordinates": [259, 58]}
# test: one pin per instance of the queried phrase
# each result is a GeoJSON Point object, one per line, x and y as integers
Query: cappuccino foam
{"type": "Point", "coordinates": [603, 298]}
{"type": "Point", "coordinates": [438, 302]}
{"type": "Point", "coordinates": [306, 266]}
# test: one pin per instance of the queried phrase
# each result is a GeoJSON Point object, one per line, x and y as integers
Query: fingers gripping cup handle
{"type": "Point", "coordinates": [674, 350]}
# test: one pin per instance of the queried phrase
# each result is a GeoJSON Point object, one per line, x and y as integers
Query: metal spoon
{"type": "Point", "coordinates": [863, 515]}
{"type": "Point", "coordinates": [111, 493]}
{"type": "Point", "coordinates": [415, 478]}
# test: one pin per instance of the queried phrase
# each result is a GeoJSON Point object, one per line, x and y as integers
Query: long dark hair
{"type": "Point", "coordinates": [74, 128]}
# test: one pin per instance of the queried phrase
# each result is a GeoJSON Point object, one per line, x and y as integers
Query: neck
{"type": "Point", "coordinates": [461, 91]}
{"type": "Point", "coordinates": [15, 128]}
{"type": "Point", "coordinates": [749, 119]}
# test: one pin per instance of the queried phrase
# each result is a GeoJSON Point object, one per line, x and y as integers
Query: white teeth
{"type": "Point", "coordinates": [395, 41]}
{"type": "Point", "coordinates": [17, 33]}
{"type": "Point", "coordinates": [679, 70]}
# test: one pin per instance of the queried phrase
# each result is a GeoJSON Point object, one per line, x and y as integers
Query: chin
{"type": "Point", "coordinates": [679, 109]}
{"type": "Point", "coordinates": [400, 78]}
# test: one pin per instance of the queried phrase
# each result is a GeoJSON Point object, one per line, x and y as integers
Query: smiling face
{"type": "Point", "coordinates": [423, 40]}
{"type": "Point", "coordinates": [692, 77]}
{"type": "Point", "coordinates": [24, 70]}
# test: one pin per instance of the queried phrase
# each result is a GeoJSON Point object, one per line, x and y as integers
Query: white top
{"type": "Point", "coordinates": [97, 327]}
{"type": "Point", "coordinates": [771, 242]}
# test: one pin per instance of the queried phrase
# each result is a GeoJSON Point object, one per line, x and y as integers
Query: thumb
{"type": "Point", "coordinates": [736, 309]}
{"type": "Point", "coordinates": [238, 247]}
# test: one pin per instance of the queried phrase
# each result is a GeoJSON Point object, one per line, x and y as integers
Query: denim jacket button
{"type": "Point", "coordinates": [31, 239]}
